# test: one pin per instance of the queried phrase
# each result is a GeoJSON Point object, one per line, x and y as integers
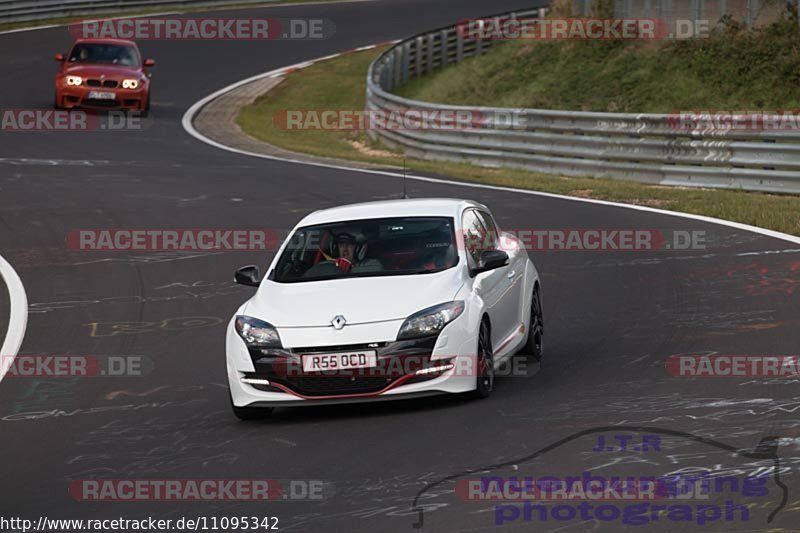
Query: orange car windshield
{"type": "Point", "coordinates": [107, 54]}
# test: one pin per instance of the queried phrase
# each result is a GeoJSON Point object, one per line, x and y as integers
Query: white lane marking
{"type": "Point", "coordinates": [770, 252]}
{"type": "Point", "coordinates": [17, 319]}
{"type": "Point", "coordinates": [188, 117]}
{"type": "Point", "coordinates": [187, 10]}
{"type": "Point", "coordinates": [19, 161]}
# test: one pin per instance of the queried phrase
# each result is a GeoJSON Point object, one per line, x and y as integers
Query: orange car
{"type": "Point", "coordinates": [103, 74]}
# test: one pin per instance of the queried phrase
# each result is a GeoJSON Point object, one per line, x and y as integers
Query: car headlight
{"type": "Point", "coordinates": [74, 80]}
{"type": "Point", "coordinates": [430, 321]}
{"type": "Point", "coordinates": [257, 333]}
{"type": "Point", "coordinates": [130, 84]}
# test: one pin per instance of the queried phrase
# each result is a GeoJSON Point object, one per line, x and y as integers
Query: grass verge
{"type": "Point", "coordinates": [731, 69]}
{"type": "Point", "coordinates": [339, 84]}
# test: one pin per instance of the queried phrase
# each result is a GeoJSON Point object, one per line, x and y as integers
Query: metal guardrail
{"type": "Point", "coordinates": [640, 147]}
{"type": "Point", "coordinates": [28, 10]}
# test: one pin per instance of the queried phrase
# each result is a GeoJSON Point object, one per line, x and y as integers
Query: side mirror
{"type": "Point", "coordinates": [60, 58]}
{"type": "Point", "coordinates": [490, 260]}
{"type": "Point", "coordinates": [249, 276]}
{"type": "Point", "coordinates": [149, 62]}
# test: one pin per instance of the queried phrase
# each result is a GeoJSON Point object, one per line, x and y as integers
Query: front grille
{"type": "Point", "coordinates": [92, 102]}
{"type": "Point", "coordinates": [108, 84]}
{"type": "Point", "coordinates": [395, 359]}
{"type": "Point", "coordinates": [335, 385]}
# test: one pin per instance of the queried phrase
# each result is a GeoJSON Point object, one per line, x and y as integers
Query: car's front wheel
{"type": "Point", "coordinates": [485, 363]}
{"type": "Point", "coordinates": [251, 413]}
{"type": "Point", "coordinates": [535, 345]}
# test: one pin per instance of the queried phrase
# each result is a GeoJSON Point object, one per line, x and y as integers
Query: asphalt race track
{"type": "Point", "coordinates": [612, 319]}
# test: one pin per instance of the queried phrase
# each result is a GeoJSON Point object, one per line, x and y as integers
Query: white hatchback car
{"type": "Point", "coordinates": [383, 300]}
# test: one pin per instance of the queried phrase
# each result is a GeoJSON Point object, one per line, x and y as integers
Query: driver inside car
{"type": "Point", "coordinates": [346, 246]}
{"type": "Point", "coordinates": [349, 255]}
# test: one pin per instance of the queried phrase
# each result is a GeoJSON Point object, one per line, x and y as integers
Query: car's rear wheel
{"type": "Point", "coordinates": [251, 413]}
{"type": "Point", "coordinates": [535, 346]}
{"type": "Point", "coordinates": [485, 362]}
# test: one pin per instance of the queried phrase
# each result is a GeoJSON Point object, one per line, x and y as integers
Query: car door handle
{"type": "Point", "coordinates": [511, 274]}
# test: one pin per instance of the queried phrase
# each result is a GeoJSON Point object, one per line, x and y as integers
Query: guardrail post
{"type": "Point", "coordinates": [752, 6]}
{"type": "Point", "coordinates": [666, 8]}
{"type": "Point", "coordinates": [397, 62]}
{"type": "Point", "coordinates": [444, 36]}
{"type": "Point", "coordinates": [419, 68]}
{"type": "Point", "coordinates": [406, 61]}
{"type": "Point", "coordinates": [619, 9]}
{"type": "Point", "coordinates": [479, 40]}
{"type": "Point", "coordinates": [431, 41]}
{"type": "Point", "coordinates": [459, 46]}
{"type": "Point", "coordinates": [385, 78]}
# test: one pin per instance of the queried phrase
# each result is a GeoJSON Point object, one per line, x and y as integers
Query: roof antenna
{"type": "Point", "coordinates": [405, 195]}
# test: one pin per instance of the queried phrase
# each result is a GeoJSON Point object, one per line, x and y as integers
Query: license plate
{"type": "Point", "coordinates": [323, 362]}
{"type": "Point", "coordinates": [101, 95]}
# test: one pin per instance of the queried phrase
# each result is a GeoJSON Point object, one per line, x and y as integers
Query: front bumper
{"type": "Point", "coordinates": [420, 367]}
{"type": "Point", "coordinates": [70, 97]}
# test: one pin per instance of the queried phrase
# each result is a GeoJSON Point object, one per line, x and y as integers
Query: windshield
{"type": "Point", "coordinates": [107, 54]}
{"type": "Point", "coordinates": [374, 247]}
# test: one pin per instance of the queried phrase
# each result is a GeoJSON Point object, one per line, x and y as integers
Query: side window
{"type": "Point", "coordinates": [474, 235]}
{"type": "Point", "coordinates": [491, 230]}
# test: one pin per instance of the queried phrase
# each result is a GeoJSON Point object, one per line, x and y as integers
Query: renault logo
{"type": "Point", "coordinates": [338, 322]}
